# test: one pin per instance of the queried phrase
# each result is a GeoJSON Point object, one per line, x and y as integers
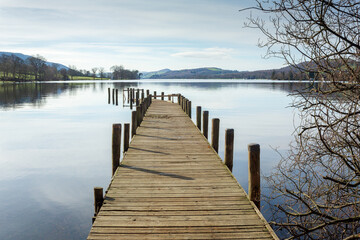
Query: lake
{"type": "Point", "coordinates": [55, 143]}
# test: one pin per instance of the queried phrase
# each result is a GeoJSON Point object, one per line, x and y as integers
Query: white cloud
{"type": "Point", "coordinates": [206, 53]}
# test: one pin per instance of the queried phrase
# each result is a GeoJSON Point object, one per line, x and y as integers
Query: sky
{"type": "Point", "coordinates": [146, 35]}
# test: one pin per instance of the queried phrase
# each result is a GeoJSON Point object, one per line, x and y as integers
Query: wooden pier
{"type": "Point", "coordinates": [171, 184]}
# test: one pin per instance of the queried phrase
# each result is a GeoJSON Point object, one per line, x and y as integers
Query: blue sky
{"type": "Point", "coordinates": [138, 34]}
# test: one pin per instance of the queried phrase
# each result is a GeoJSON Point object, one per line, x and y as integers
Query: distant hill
{"type": "Point", "coordinates": [24, 57]}
{"type": "Point", "coordinates": [288, 73]}
{"type": "Point", "coordinates": [147, 75]}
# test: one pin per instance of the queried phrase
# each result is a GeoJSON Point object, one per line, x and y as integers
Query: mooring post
{"type": "Point", "coordinates": [126, 136]}
{"type": "Point", "coordinates": [133, 123]}
{"type": "Point", "coordinates": [154, 94]}
{"type": "Point", "coordinates": [198, 117]}
{"type": "Point", "coordinates": [147, 92]}
{"type": "Point", "coordinates": [141, 112]}
{"type": "Point", "coordinates": [98, 199]}
{"type": "Point", "coordinates": [189, 109]}
{"type": "Point", "coordinates": [138, 116]}
{"type": "Point", "coordinates": [162, 96]}
{"type": "Point", "coordinates": [169, 97]}
{"type": "Point", "coordinates": [215, 134]}
{"type": "Point", "coordinates": [142, 95]}
{"type": "Point", "coordinates": [178, 97]}
{"type": "Point", "coordinates": [254, 173]}
{"type": "Point", "coordinates": [229, 148]}
{"type": "Point", "coordinates": [128, 95]}
{"type": "Point", "coordinates": [116, 143]}
{"type": "Point", "coordinates": [113, 96]}
{"type": "Point", "coordinates": [206, 123]}
{"type": "Point", "coordinates": [117, 96]}
{"type": "Point", "coordinates": [131, 99]}
{"type": "Point", "coordinates": [109, 95]}
{"type": "Point", "coordinates": [137, 98]}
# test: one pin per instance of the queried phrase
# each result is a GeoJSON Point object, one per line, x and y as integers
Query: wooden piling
{"type": "Point", "coordinates": [215, 134]}
{"type": "Point", "coordinates": [169, 97]}
{"type": "Point", "coordinates": [178, 97]}
{"type": "Point", "coordinates": [198, 117]}
{"type": "Point", "coordinates": [229, 148]}
{"type": "Point", "coordinates": [189, 108]}
{"type": "Point", "coordinates": [142, 95]}
{"type": "Point", "coordinates": [133, 123]}
{"type": "Point", "coordinates": [206, 123]}
{"type": "Point", "coordinates": [147, 92]}
{"type": "Point", "coordinates": [254, 173]}
{"type": "Point", "coordinates": [162, 96]}
{"type": "Point", "coordinates": [137, 98]}
{"type": "Point", "coordinates": [116, 143]}
{"type": "Point", "coordinates": [117, 96]}
{"type": "Point", "coordinates": [126, 136]}
{"type": "Point", "coordinates": [113, 96]}
{"type": "Point", "coordinates": [138, 115]}
{"type": "Point", "coordinates": [109, 96]}
{"type": "Point", "coordinates": [128, 95]}
{"type": "Point", "coordinates": [154, 94]}
{"type": "Point", "coordinates": [98, 199]}
{"type": "Point", "coordinates": [131, 99]}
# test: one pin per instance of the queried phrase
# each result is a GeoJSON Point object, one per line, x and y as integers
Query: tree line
{"type": "Point", "coordinates": [36, 68]}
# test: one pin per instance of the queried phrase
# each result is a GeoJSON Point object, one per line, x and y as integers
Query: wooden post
{"type": "Point", "coordinates": [198, 117]}
{"type": "Point", "coordinates": [142, 95]}
{"type": "Point", "coordinates": [178, 99]}
{"type": "Point", "coordinates": [116, 143]}
{"type": "Point", "coordinates": [229, 148]}
{"type": "Point", "coordinates": [113, 96]}
{"type": "Point", "coordinates": [126, 136]}
{"type": "Point", "coordinates": [138, 116]}
{"type": "Point", "coordinates": [206, 123]}
{"type": "Point", "coordinates": [215, 134]}
{"type": "Point", "coordinates": [254, 173]}
{"type": "Point", "coordinates": [162, 96]}
{"type": "Point", "coordinates": [98, 199]}
{"type": "Point", "coordinates": [154, 94]}
{"type": "Point", "coordinates": [131, 99]}
{"type": "Point", "coordinates": [133, 123]}
{"type": "Point", "coordinates": [109, 95]}
{"type": "Point", "coordinates": [189, 108]}
{"type": "Point", "coordinates": [169, 97]}
{"type": "Point", "coordinates": [128, 95]}
{"type": "Point", "coordinates": [147, 92]}
{"type": "Point", "coordinates": [137, 98]}
{"type": "Point", "coordinates": [117, 96]}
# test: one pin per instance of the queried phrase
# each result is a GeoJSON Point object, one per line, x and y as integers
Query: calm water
{"type": "Point", "coordinates": [55, 143]}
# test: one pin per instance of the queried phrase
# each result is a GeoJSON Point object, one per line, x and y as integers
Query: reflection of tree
{"type": "Point", "coordinates": [14, 95]}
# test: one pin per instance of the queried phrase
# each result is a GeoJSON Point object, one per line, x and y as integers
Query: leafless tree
{"type": "Point", "coordinates": [101, 72]}
{"type": "Point", "coordinates": [94, 70]}
{"type": "Point", "coordinates": [317, 185]}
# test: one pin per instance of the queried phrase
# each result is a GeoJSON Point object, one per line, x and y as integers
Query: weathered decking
{"type": "Point", "coordinates": [172, 185]}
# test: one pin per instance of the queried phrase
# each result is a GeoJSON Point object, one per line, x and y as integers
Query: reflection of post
{"type": "Point", "coordinates": [254, 173]}
{"type": "Point", "coordinates": [109, 95]}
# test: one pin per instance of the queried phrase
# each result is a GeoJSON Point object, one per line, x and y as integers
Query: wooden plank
{"type": "Point", "coordinates": [171, 184]}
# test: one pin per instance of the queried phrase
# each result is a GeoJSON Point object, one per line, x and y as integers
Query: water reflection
{"type": "Point", "coordinates": [55, 143]}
